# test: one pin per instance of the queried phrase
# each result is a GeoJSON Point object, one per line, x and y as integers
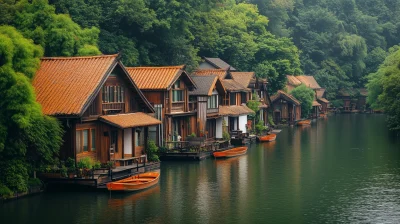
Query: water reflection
{"type": "Point", "coordinates": [345, 169]}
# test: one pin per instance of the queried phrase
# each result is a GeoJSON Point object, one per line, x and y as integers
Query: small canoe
{"type": "Point", "coordinates": [135, 183]}
{"type": "Point", "coordinates": [231, 152]}
{"type": "Point", "coordinates": [267, 138]}
{"type": "Point", "coordinates": [305, 122]}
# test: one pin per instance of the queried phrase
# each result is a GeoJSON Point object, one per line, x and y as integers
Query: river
{"type": "Point", "coordinates": [343, 169]}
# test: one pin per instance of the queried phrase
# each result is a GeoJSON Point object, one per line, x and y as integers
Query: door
{"type": "Point", "coordinates": [114, 144]}
{"type": "Point", "coordinates": [277, 116]}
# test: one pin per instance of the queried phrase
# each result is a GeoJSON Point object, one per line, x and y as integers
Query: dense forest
{"type": "Point", "coordinates": [342, 43]}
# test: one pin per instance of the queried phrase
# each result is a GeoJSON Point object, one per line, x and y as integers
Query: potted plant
{"type": "Point", "coordinates": [71, 169]}
{"type": "Point", "coordinates": [84, 165]}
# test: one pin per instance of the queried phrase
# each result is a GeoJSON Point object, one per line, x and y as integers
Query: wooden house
{"type": "Point", "coordinates": [258, 86]}
{"type": "Point", "coordinates": [215, 63]}
{"type": "Point", "coordinates": [353, 100]}
{"type": "Point", "coordinates": [233, 108]}
{"type": "Point", "coordinates": [320, 103]}
{"type": "Point", "coordinates": [103, 112]}
{"type": "Point", "coordinates": [286, 108]}
{"type": "Point", "coordinates": [167, 88]}
{"type": "Point", "coordinates": [207, 97]}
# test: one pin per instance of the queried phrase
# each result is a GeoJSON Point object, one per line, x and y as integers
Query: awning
{"type": "Point", "coordinates": [235, 110]}
{"type": "Point", "coordinates": [323, 100]}
{"type": "Point", "coordinates": [130, 120]}
{"type": "Point", "coordinates": [315, 104]}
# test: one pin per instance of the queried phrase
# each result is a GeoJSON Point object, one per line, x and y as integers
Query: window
{"type": "Point", "coordinates": [113, 94]}
{"type": "Point", "coordinates": [93, 139]}
{"type": "Point", "coordinates": [212, 102]}
{"type": "Point", "coordinates": [85, 140]}
{"type": "Point", "coordinates": [233, 99]}
{"type": "Point", "coordinates": [177, 92]}
{"type": "Point", "coordinates": [139, 137]}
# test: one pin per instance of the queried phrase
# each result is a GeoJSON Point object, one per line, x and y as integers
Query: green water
{"type": "Point", "coordinates": [344, 169]}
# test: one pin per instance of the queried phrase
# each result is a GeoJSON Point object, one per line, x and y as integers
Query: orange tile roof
{"type": "Point", "coordinates": [153, 78]}
{"type": "Point", "coordinates": [130, 120]}
{"type": "Point", "coordinates": [234, 110]}
{"type": "Point", "coordinates": [280, 94]}
{"type": "Point", "coordinates": [234, 86]}
{"type": "Point", "coordinates": [64, 85]}
{"type": "Point", "coordinates": [323, 100]}
{"type": "Point", "coordinates": [315, 104]}
{"type": "Point", "coordinates": [220, 72]}
{"type": "Point", "coordinates": [309, 81]}
{"type": "Point", "coordinates": [244, 78]}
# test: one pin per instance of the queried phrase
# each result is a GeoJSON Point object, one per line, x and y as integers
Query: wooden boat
{"type": "Point", "coordinates": [267, 138]}
{"type": "Point", "coordinates": [303, 123]}
{"type": "Point", "coordinates": [135, 183]}
{"type": "Point", "coordinates": [231, 152]}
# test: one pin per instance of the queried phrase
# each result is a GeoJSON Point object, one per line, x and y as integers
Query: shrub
{"type": "Point", "coordinates": [226, 136]}
{"type": "Point", "coordinates": [97, 165]}
{"type": "Point", "coordinates": [70, 163]}
{"type": "Point", "coordinates": [151, 151]}
{"type": "Point", "coordinates": [271, 120]}
{"type": "Point", "coordinates": [85, 163]}
{"type": "Point", "coordinates": [14, 175]}
{"type": "Point", "coordinates": [192, 135]}
{"type": "Point", "coordinates": [33, 182]}
{"type": "Point", "coordinates": [260, 127]}
{"type": "Point", "coordinates": [5, 192]}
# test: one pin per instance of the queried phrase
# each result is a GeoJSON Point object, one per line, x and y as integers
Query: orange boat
{"type": "Point", "coordinates": [135, 183]}
{"type": "Point", "coordinates": [267, 138]}
{"type": "Point", "coordinates": [305, 122]}
{"type": "Point", "coordinates": [231, 152]}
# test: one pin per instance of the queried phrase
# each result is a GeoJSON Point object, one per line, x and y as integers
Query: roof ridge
{"type": "Point", "coordinates": [157, 67]}
{"type": "Point", "coordinates": [79, 57]}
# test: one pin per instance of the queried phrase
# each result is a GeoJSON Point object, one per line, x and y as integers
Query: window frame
{"type": "Point", "coordinates": [79, 141]}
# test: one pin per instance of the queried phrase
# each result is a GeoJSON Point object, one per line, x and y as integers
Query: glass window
{"type": "Point", "coordinates": [93, 139]}
{"type": "Point", "coordinates": [212, 102]}
{"type": "Point", "coordinates": [113, 94]}
{"type": "Point", "coordinates": [78, 141]}
{"type": "Point", "coordinates": [177, 84]}
{"type": "Point", "coordinates": [139, 137]}
{"type": "Point", "coordinates": [85, 140]}
{"type": "Point", "coordinates": [177, 95]}
{"type": "Point", "coordinates": [233, 99]}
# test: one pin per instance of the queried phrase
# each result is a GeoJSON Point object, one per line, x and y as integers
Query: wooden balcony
{"type": "Point", "coordinates": [178, 107]}
{"type": "Point", "coordinates": [212, 110]}
{"type": "Point", "coordinates": [113, 108]}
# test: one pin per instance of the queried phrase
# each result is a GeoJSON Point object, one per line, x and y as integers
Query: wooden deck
{"type": "Point", "coordinates": [101, 177]}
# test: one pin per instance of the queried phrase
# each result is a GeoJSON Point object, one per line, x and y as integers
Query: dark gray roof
{"type": "Point", "coordinates": [219, 63]}
{"type": "Point", "coordinates": [204, 84]}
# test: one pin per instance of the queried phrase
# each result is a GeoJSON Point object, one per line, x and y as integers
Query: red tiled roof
{"type": "Point", "coordinates": [130, 120]}
{"type": "Point", "coordinates": [203, 72]}
{"type": "Point", "coordinates": [234, 110]}
{"type": "Point", "coordinates": [152, 78]}
{"type": "Point", "coordinates": [280, 94]}
{"type": "Point", "coordinates": [64, 85]}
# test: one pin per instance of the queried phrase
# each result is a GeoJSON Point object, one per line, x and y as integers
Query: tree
{"type": "Point", "coordinates": [28, 138]}
{"type": "Point", "coordinates": [384, 89]}
{"type": "Point", "coordinates": [306, 96]}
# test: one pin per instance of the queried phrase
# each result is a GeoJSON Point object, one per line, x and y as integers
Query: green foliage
{"type": "Point", "coordinates": [270, 119]}
{"type": "Point", "coordinates": [34, 182]}
{"type": "Point", "coordinates": [151, 151]}
{"type": "Point", "coordinates": [226, 136]}
{"type": "Point", "coordinates": [254, 105]}
{"type": "Point", "coordinates": [306, 96]}
{"type": "Point", "coordinates": [260, 127]}
{"type": "Point", "coordinates": [5, 192]}
{"type": "Point", "coordinates": [85, 163]}
{"type": "Point", "coordinates": [28, 139]}
{"type": "Point", "coordinates": [384, 89]}
{"type": "Point", "coordinates": [192, 135]}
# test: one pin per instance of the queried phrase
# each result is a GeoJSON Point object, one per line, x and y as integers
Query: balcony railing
{"type": "Point", "coordinates": [178, 107]}
{"type": "Point", "coordinates": [115, 107]}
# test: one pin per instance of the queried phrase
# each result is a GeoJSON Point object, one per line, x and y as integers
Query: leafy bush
{"type": "Point", "coordinates": [14, 175]}
{"type": "Point", "coordinates": [33, 182]}
{"type": "Point", "coordinates": [226, 136]}
{"type": "Point", "coordinates": [5, 192]}
{"type": "Point", "coordinates": [85, 163]}
{"type": "Point", "coordinates": [306, 96]}
{"type": "Point", "coordinates": [192, 135]}
{"type": "Point", "coordinates": [270, 120]}
{"type": "Point", "coordinates": [260, 127]}
{"type": "Point", "coordinates": [70, 163]}
{"type": "Point", "coordinates": [151, 151]}
{"type": "Point", "coordinates": [97, 165]}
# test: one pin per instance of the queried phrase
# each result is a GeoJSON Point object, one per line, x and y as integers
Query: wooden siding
{"type": "Point", "coordinates": [201, 114]}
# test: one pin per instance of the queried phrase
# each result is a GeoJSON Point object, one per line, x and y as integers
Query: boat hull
{"type": "Point", "coordinates": [303, 123]}
{"type": "Point", "coordinates": [231, 152]}
{"type": "Point", "coordinates": [135, 183]}
{"type": "Point", "coordinates": [267, 138]}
